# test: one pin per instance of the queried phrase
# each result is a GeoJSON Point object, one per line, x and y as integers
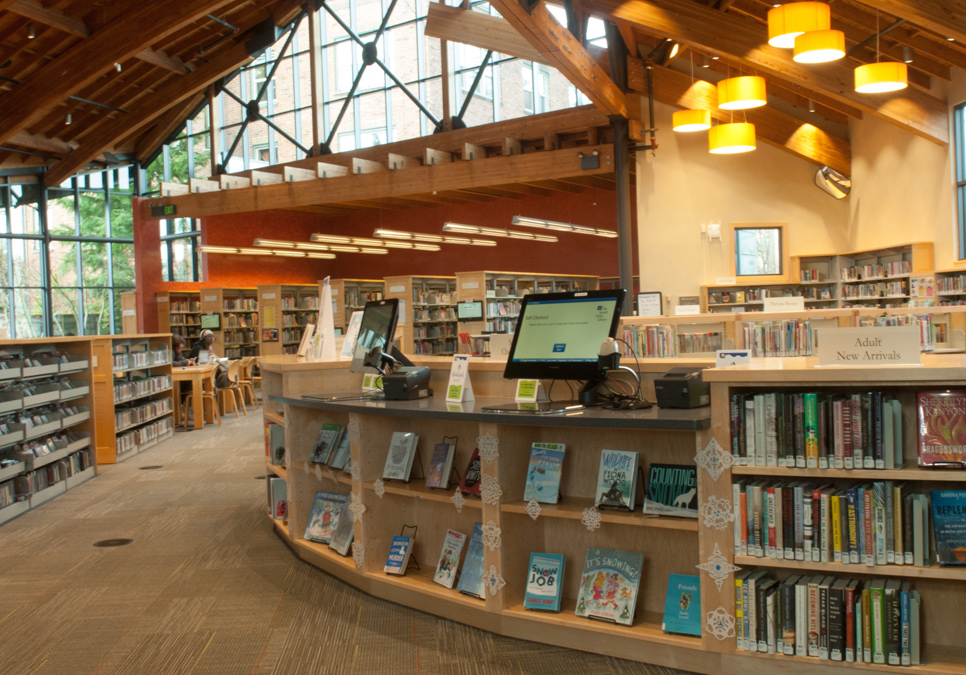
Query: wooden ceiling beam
{"type": "Point", "coordinates": [40, 143]}
{"type": "Point", "coordinates": [163, 60]}
{"type": "Point", "coordinates": [555, 165]}
{"type": "Point", "coordinates": [480, 30]}
{"type": "Point", "coordinates": [944, 17]}
{"type": "Point", "coordinates": [742, 39]}
{"type": "Point", "coordinates": [50, 16]}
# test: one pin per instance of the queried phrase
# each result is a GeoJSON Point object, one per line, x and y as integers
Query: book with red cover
{"type": "Point", "coordinates": [941, 424]}
{"type": "Point", "coordinates": [470, 483]}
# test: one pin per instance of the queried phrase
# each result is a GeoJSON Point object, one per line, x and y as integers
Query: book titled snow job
{"type": "Point", "coordinates": [609, 585]}
{"type": "Point", "coordinates": [617, 480]}
{"type": "Point", "coordinates": [672, 490]}
{"type": "Point", "coordinates": [544, 473]}
{"type": "Point", "coordinates": [682, 608]}
{"type": "Point", "coordinates": [545, 581]}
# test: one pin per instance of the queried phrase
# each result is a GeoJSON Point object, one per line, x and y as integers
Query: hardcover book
{"type": "Point", "coordinates": [471, 578]}
{"type": "Point", "coordinates": [617, 480]}
{"type": "Point", "coordinates": [399, 460]}
{"type": "Point", "coordinates": [398, 559]}
{"type": "Point", "coordinates": [672, 490]}
{"type": "Point", "coordinates": [325, 514]}
{"type": "Point", "coordinates": [340, 457]}
{"type": "Point", "coordinates": [544, 473]}
{"type": "Point", "coordinates": [329, 436]}
{"type": "Point", "coordinates": [343, 533]}
{"type": "Point", "coordinates": [682, 608]}
{"type": "Point", "coordinates": [941, 417]}
{"type": "Point", "coordinates": [440, 466]}
{"type": "Point", "coordinates": [545, 581]}
{"type": "Point", "coordinates": [275, 439]}
{"type": "Point", "coordinates": [278, 487]}
{"type": "Point", "coordinates": [949, 526]}
{"type": "Point", "coordinates": [470, 483]}
{"type": "Point", "coordinates": [609, 585]}
{"type": "Point", "coordinates": [449, 558]}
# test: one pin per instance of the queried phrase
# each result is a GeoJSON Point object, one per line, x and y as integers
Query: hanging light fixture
{"type": "Point", "coordinates": [819, 46]}
{"type": "Point", "coordinates": [460, 228]}
{"type": "Point", "coordinates": [788, 21]}
{"type": "Point", "coordinates": [732, 138]}
{"type": "Point", "coordinates": [694, 119]}
{"type": "Point", "coordinates": [880, 77]}
{"type": "Point", "coordinates": [545, 224]}
{"type": "Point", "coordinates": [741, 93]}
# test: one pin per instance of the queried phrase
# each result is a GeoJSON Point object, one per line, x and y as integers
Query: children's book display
{"type": "Point", "coordinates": [440, 465]}
{"type": "Point", "coordinates": [617, 480]}
{"type": "Point", "coordinates": [330, 435]}
{"type": "Point", "coordinates": [326, 510]}
{"type": "Point", "coordinates": [544, 473]}
{"type": "Point", "coordinates": [672, 490]}
{"type": "Point", "coordinates": [545, 577]}
{"type": "Point", "coordinates": [399, 553]}
{"type": "Point", "coordinates": [471, 578]}
{"type": "Point", "coordinates": [343, 533]}
{"type": "Point", "coordinates": [399, 460]}
{"type": "Point", "coordinates": [470, 483]}
{"type": "Point", "coordinates": [449, 558]}
{"type": "Point", "coordinates": [682, 608]}
{"type": "Point", "coordinates": [609, 585]}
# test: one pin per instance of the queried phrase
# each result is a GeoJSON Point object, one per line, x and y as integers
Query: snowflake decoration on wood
{"type": "Point", "coordinates": [717, 513]}
{"type": "Point", "coordinates": [491, 536]}
{"type": "Point", "coordinates": [379, 486]}
{"type": "Point", "coordinates": [357, 507]}
{"type": "Point", "coordinates": [717, 567]}
{"type": "Point", "coordinates": [359, 553]}
{"type": "Point", "coordinates": [489, 446]}
{"type": "Point", "coordinates": [493, 580]}
{"type": "Point", "coordinates": [318, 472]}
{"type": "Point", "coordinates": [714, 459]}
{"type": "Point", "coordinates": [354, 470]}
{"type": "Point", "coordinates": [458, 500]}
{"type": "Point", "coordinates": [533, 509]}
{"type": "Point", "coordinates": [720, 624]}
{"type": "Point", "coordinates": [305, 467]}
{"type": "Point", "coordinates": [591, 518]}
{"type": "Point", "coordinates": [353, 429]}
{"type": "Point", "coordinates": [490, 490]}
{"type": "Point", "coordinates": [287, 460]}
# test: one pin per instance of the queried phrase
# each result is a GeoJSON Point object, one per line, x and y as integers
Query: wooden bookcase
{"type": "Point", "coordinates": [654, 337]}
{"type": "Point", "coordinates": [237, 309]}
{"type": "Point", "coordinates": [59, 383]}
{"type": "Point", "coordinates": [427, 314]}
{"type": "Point", "coordinates": [351, 295]}
{"type": "Point", "coordinates": [951, 287]}
{"type": "Point", "coordinates": [284, 310]}
{"type": "Point", "coordinates": [784, 334]}
{"type": "Point", "coordinates": [179, 313]}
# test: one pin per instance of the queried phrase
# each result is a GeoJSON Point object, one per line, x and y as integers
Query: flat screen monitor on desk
{"type": "Point", "coordinates": [377, 329]}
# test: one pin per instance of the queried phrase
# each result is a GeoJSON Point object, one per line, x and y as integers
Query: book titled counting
{"type": "Point", "coordinates": [672, 490]}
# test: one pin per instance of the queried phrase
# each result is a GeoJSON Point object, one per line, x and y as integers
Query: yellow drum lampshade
{"type": "Point", "coordinates": [729, 139]}
{"type": "Point", "coordinates": [741, 93]}
{"type": "Point", "coordinates": [876, 78]}
{"type": "Point", "coordinates": [819, 46]}
{"type": "Point", "coordinates": [691, 120]}
{"type": "Point", "coordinates": [790, 20]}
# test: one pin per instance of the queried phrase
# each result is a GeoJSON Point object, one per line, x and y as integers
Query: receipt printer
{"type": "Point", "coordinates": [682, 388]}
{"type": "Point", "coordinates": [407, 383]}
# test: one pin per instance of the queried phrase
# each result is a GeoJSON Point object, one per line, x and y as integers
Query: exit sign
{"type": "Point", "coordinates": [163, 210]}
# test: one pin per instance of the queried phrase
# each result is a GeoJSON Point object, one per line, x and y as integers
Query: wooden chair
{"type": "Point", "coordinates": [232, 394]}
{"type": "Point", "coordinates": [206, 396]}
{"type": "Point", "coordinates": [246, 382]}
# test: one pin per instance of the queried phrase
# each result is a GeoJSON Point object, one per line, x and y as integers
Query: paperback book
{"type": "Point", "coordinates": [617, 480]}
{"type": "Point", "coordinates": [609, 585]}
{"type": "Point", "coordinates": [275, 443]}
{"type": "Point", "coordinates": [949, 526]}
{"type": "Point", "coordinates": [941, 417]}
{"type": "Point", "coordinates": [278, 489]}
{"type": "Point", "coordinates": [470, 483]}
{"type": "Point", "coordinates": [544, 473]}
{"type": "Point", "coordinates": [682, 608]}
{"type": "Point", "coordinates": [672, 490]}
{"type": "Point", "coordinates": [471, 578]}
{"type": "Point", "coordinates": [449, 558]}
{"type": "Point", "coordinates": [329, 436]}
{"type": "Point", "coordinates": [440, 465]}
{"type": "Point", "coordinates": [343, 533]}
{"type": "Point", "coordinates": [325, 514]}
{"type": "Point", "coordinates": [340, 457]}
{"type": "Point", "coordinates": [399, 460]}
{"type": "Point", "coordinates": [545, 581]}
{"type": "Point", "coordinates": [399, 552]}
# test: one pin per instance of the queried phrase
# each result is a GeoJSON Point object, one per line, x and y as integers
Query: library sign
{"type": "Point", "coordinates": [871, 346]}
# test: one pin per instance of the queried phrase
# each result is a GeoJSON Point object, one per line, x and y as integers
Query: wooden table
{"type": "Point", "coordinates": [202, 379]}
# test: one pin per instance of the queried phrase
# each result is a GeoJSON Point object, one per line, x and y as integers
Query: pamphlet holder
{"type": "Point", "coordinates": [412, 559]}
{"type": "Point", "coordinates": [418, 461]}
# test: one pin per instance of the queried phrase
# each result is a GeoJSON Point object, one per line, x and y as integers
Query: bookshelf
{"type": "Point", "coordinates": [950, 288]}
{"type": "Point", "coordinates": [237, 309]}
{"type": "Point", "coordinates": [179, 313]}
{"type": "Point", "coordinates": [784, 334]}
{"type": "Point", "coordinates": [284, 310]}
{"type": "Point", "coordinates": [46, 402]}
{"type": "Point", "coordinates": [671, 336]}
{"type": "Point", "coordinates": [427, 314]}
{"type": "Point", "coordinates": [351, 295]}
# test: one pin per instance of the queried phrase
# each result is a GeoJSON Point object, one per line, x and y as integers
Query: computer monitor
{"type": "Point", "coordinates": [470, 310]}
{"type": "Point", "coordinates": [376, 330]}
{"type": "Point", "coordinates": [211, 321]}
{"type": "Point", "coordinates": [559, 335]}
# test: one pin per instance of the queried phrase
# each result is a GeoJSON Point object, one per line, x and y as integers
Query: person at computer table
{"type": "Point", "coordinates": [204, 343]}
{"type": "Point", "coordinates": [180, 357]}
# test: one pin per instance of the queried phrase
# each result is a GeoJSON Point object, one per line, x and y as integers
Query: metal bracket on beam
{"type": "Point", "coordinates": [528, 5]}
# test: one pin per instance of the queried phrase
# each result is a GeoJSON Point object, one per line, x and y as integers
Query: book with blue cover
{"type": "Point", "coordinates": [682, 608]}
{"type": "Point", "coordinates": [325, 514]}
{"type": "Point", "coordinates": [949, 526]}
{"type": "Point", "coordinates": [545, 577]}
{"type": "Point", "coordinates": [471, 578]}
{"type": "Point", "coordinates": [398, 559]}
{"type": "Point", "coordinates": [609, 585]}
{"type": "Point", "coordinates": [544, 473]}
{"type": "Point", "coordinates": [617, 480]}
{"type": "Point", "coordinates": [329, 436]}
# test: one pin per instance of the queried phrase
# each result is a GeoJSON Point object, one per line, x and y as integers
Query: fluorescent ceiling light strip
{"type": "Point", "coordinates": [375, 251]}
{"type": "Point", "coordinates": [290, 254]}
{"type": "Point", "coordinates": [331, 239]}
{"type": "Point", "coordinates": [275, 243]}
{"type": "Point", "coordinates": [218, 249]}
{"type": "Point", "coordinates": [562, 227]}
{"type": "Point", "coordinates": [325, 256]}
{"type": "Point", "coordinates": [254, 251]}
{"type": "Point", "coordinates": [311, 247]}
{"type": "Point", "coordinates": [392, 234]}
{"type": "Point", "coordinates": [497, 232]}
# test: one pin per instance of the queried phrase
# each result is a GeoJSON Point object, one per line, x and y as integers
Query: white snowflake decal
{"type": "Point", "coordinates": [533, 508]}
{"type": "Point", "coordinates": [591, 518]}
{"type": "Point", "coordinates": [489, 446]}
{"type": "Point", "coordinates": [717, 513]}
{"type": "Point", "coordinates": [490, 490]}
{"type": "Point", "coordinates": [318, 472]}
{"type": "Point", "coordinates": [287, 460]}
{"type": "Point", "coordinates": [491, 536]}
{"type": "Point", "coordinates": [359, 553]}
{"type": "Point", "coordinates": [357, 507]}
{"type": "Point", "coordinates": [379, 486]}
{"type": "Point", "coordinates": [717, 567]}
{"type": "Point", "coordinates": [720, 624]}
{"type": "Point", "coordinates": [493, 580]}
{"type": "Point", "coordinates": [714, 459]}
{"type": "Point", "coordinates": [354, 470]}
{"type": "Point", "coordinates": [305, 467]}
{"type": "Point", "coordinates": [353, 429]}
{"type": "Point", "coordinates": [458, 500]}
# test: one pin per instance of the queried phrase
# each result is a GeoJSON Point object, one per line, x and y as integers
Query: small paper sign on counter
{"type": "Point", "coordinates": [371, 382]}
{"type": "Point", "coordinates": [732, 357]}
{"type": "Point", "coordinates": [870, 346]}
{"type": "Point", "coordinates": [460, 388]}
{"type": "Point", "coordinates": [528, 391]}
{"type": "Point", "coordinates": [791, 304]}
{"type": "Point", "coordinates": [687, 310]}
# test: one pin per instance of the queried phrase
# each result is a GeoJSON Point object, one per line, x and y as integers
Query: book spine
{"type": "Point", "coordinates": [857, 431]}
{"type": "Point", "coordinates": [836, 530]}
{"type": "Point", "coordinates": [897, 521]}
{"type": "Point", "coordinates": [807, 524]}
{"type": "Point", "coordinates": [779, 537]}
{"type": "Point", "coordinates": [868, 531]}
{"type": "Point", "coordinates": [770, 548]}
{"type": "Point", "coordinates": [749, 430]}
{"type": "Point", "coordinates": [739, 613]}
{"type": "Point", "coordinates": [788, 521]}
{"type": "Point", "coordinates": [866, 625]}
{"type": "Point", "coordinates": [838, 439]}
{"type": "Point", "coordinates": [877, 620]}
{"type": "Point", "coordinates": [907, 529]}
{"type": "Point", "coordinates": [758, 505]}
{"type": "Point", "coordinates": [879, 523]}
{"type": "Point", "coordinates": [849, 607]}
{"type": "Point", "coordinates": [893, 620]}
{"type": "Point", "coordinates": [751, 615]}
{"type": "Point", "coordinates": [823, 621]}
{"type": "Point", "coordinates": [736, 491]}
{"type": "Point", "coordinates": [824, 461]}
{"type": "Point", "coordinates": [836, 624]}
{"type": "Point", "coordinates": [735, 410]}
{"type": "Point", "coordinates": [771, 644]}
{"type": "Point", "coordinates": [746, 616]}
{"type": "Point", "coordinates": [771, 430]}
{"type": "Point", "coordinates": [801, 618]}
{"type": "Point", "coordinates": [868, 448]}
{"type": "Point", "coordinates": [811, 431]}
{"type": "Point", "coordinates": [878, 435]}
{"type": "Point", "coordinates": [760, 421]}
{"type": "Point", "coordinates": [788, 619]}
{"type": "Point", "coordinates": [799, 405]}
{"type": "Point", "coordinates": [817, 524]}
{"type": "Point", "coordinates": [799, 522]}
{"type": "Point", "coordinates": [847, 434]}
{"type": "Point", "coordinates": [904, 640]}
{"type": "Point", "coordinates": [813, 608]}
{"type": "Point", "coordinates": [890, 551]}
{"type": "Point", "coordinates": [850, 497]}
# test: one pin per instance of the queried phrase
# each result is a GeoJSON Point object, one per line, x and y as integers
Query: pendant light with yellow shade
{"type": "Point", "coordinates": [694, 119]}
{"type": "Point", "coordinates": [882, 76]}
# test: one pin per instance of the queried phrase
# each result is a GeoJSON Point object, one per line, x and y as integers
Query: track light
{"type": "Point", "coordinates": [117, 66]}
{"type": "Point", "coordinates": [31, 32]}
{"type": "Point", "coordinates": [907, 54]}
{"type": "Point", "coordinates": [400, 235]}
{"type": "Point", "coordinates": [705, 62]}
{"type": "Point", "coordinates": [68, 120]}
{"type": "Point", "coordinates": [811, 106]}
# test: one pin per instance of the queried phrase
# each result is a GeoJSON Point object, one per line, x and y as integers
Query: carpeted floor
{"type": "Point", "coordinates": [207, 587]}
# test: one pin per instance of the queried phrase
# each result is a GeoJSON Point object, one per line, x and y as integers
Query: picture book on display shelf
{"type": "Point", "coordinates": [325, 514]}
{"type": "Point", "coordinates": [544, 473]}
{"type": "Point", "coordinates": [330, 436]}
{"type": "Point", "coordinates": [617, 480]}
{"type": "Point", "coordinates": [545, 581]}
{"type": "Point", "coordinates": [942, 428]}
{"type": "Point", "coordinates": [399, 460]}
{"type": "Point", "coordinates": [682, 608]}
{"type": "Point", "coordinates": [278, 489]}
{"type": "Point", "coordinates": [399, 553]}
{"type": "Point", "coordinates": [470, 483]}
{"type": "Point", "coordinates": [471, 578]}
{"type": "Point", "coordinates": [440, 465]}
{"type": "Point", "coordinates": [340, 458]}
{"type": "Point", "coordinates": [343, 533]}
{"type": "Point", "coordinates": [275, 443]}
{"type": "Point", "coordinates": [449, 558]}
{"type": "Point", "coordinates": [949, 526]}
{"type": "Point", "coordinates": [609, 585]}
{"type": "Point", "coordinates": [672, 490]}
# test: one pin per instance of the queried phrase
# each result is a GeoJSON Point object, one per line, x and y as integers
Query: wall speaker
{"type": "Point", "coordinates": [833, 182]}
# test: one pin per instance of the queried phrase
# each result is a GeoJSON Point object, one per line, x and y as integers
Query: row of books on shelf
{"type": "Point", "coordinates": [149, 433]}
{"type": "Point", "coordinates": [125, 358]}
{"type": "Point", "coordinates": [881, 289]}
{"type": "Point", "coordinates": [830, 619]}
{"type": "Point", "coordinates": [509, 308]}
{"type": "Point", "coordinates": [421, 297]}
{"type": "Point", "coordinates": [185, 305]}
{"type": "Point", "coordinates": [306, 318]}
{"type": "Point", "coordinates": [931, 333]}
{"type": "Point", "coordinates": [34, 392]}
{"type": "Point", "coordinates": [439, 314]}
{"type": "Point", "coordinates": [358, 297]}
{"type": "Point", "coordinates": [235, 304]}
{"type": "Point", "coordinates": [241, 352]}
{"type": "Point", "coordinates": [241, 320]}
{"type": "Point", "coordinates": [289, 320]}
{"type": "Point", "coordinates": [186, 319]}
{"type": "Point", "coordinates": [291, 334]}
{"type": "Point", "coordinates": [31, 482]}
{"type": "Point", "coordinates": [812, 275]}
{"type": "Point", "coordinates": [786, 337]}
{"type": "Point", "coordinates": [501, 325]}
{"type": "Point", "coordinates": [36, 418]}
{"type": "Point", "coordinates": [876, 271]}
{"type": "Point", "coordinates": [437, 347]}
{"type": "Point", "coordinates": [125, 390]}
{"type": "Point", "coordinates": [434, 331]}
{"type": "Point", "coordinates": [236, 336]}
{"type": "Point", "coordinates": [750, 295]}
{"type": "Point", "coordinates": [663, 340]}
{"type": "Point", "coordinates": [955, 283]}
{"type": "Point", "coordinates": [126, 417]}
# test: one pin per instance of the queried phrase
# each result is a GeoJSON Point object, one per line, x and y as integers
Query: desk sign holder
{"type": "Point", "coordinates": [325, 331]}
{"type": "Point", "coordinates": [371, 382]}
{"type": "Point", "coordinates": [529, 391]}
{"type": "Point", "coordinates": [732, 357]}
{"type": "Point", "coordinates": [783, 304]}
{"type": "Point", "coordinates": [870, 346]}
{"type": "Point", "coordinates": [460, 388]}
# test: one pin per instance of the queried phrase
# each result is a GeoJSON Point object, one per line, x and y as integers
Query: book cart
{"type": "Point", "coordinates": [942, 589]}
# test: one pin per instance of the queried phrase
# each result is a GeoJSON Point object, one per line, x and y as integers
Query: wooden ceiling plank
{"type": "Point", "coordinates": [42, 143]}
{"type": "Point", "coordinates": [480, 30]}
{"type": "Point", "coordinates": [512, 146]}
{"type": "Point", "coordinates": [944, 17]}
{"type": "Point", "coordinates": [324, 170]}
{"type": "Point", "coordinates": [50, 16]}
{"type": "Point", "coordinates": [361, 166]}
{"type": "Point", "coordinates": [396, 162]}
{"type": "Point", "coordinates": [174, 189]}
{"type": "Point", "coordinates": [163, 60]}
{"type": "Point", "coordinates": [432, 156]}
{"type": "Point", "coordinates": [258, 178]}
{"type": "Point", "coordinates": [199, 185]}
{"type": "Point", "coordinates": [703, 28]}
{"type": "Point", "coordinates": [292, 174]}
{"type": "Point", "coordinates": [472, 151]}
{"type": "Point", "coordinates": [536, 166]}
